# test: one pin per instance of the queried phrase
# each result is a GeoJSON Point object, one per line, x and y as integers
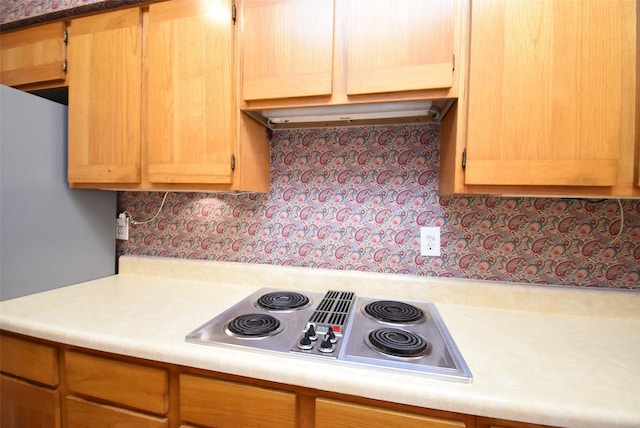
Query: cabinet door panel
{"type": "Point", "coordinates": [85, 414]}
{"type": "Point", "coordinates": [551, 100]}
{"type": "Point", "coordinates": [190, 101]}
{"type": "Point", "coordinates": [104, 98]}
{"type": "Point", "coordinates": [399, 45]}
{"type": "Point", "coordinates": [338, 414]}
{"type": "Point", "coordinates": [26, 405]}
{"type": "Point", "coordinates": [287, 48]}
{"type": "Point", "coordinates": [222, 404]}
{"type": "Point", "coordinates": [33, 55]}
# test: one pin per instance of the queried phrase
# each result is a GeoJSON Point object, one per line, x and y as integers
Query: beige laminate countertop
{"type": "Point", "coordinates": [547, 355]}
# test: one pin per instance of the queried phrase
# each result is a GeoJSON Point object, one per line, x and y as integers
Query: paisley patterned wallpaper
{"type": "Point", "coordinates": [355, 198]}
{"type": "Point", "coordinates": [16, 13]}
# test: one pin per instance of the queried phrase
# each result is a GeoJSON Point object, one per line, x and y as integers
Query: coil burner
{"type": "Point", "coordinates": [253, 326]}
{"type": "Point", "coordinates": [283, 301]}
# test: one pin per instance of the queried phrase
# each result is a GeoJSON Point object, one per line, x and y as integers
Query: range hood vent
{"type": "Point", "coordinates": [352, 114]}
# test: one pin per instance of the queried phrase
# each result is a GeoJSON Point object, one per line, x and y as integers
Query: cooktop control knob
{"type": "Point", "coordinates": [332, 336]}
{"type": "Point", "coordinates": [327, 345]}
{"type": "Point", "coordinates": [311, 332]}
{"type": "Point", "coordinates": [305, 343]}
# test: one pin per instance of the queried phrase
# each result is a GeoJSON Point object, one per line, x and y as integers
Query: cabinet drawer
{"type": "Point", "coordinates": [23, 404]}
{"type": "Point", "coordinates": [129, 384]}
{"type": "Point", "coordinates": [221, 404]}
{"type": "Point", "coordinates": [29, 360]}
{"type": "Point", "coordinates": [33, 55]}
{"type": "Point", "coordinates": [85, 414]}
{"type": "Point", "coordinates": [338, 414]}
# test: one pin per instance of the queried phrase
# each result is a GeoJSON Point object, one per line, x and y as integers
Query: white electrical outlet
{"type": "Point", "coordinates": [429, 241]}
{"type": "Point", "coordinates": [122, 227]}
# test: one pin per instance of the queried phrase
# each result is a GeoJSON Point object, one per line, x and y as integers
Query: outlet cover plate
{"type": "Point", "coordinates": [430, 241]}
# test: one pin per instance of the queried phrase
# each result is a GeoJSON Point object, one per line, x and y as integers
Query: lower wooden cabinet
{"type": "Point", "coordinates": [23, 404]}
{"type": "Point", "coordinates": [221, 404]}
{"type": "Point", "coordinates": [29, 384]}
{"type": "Point", "coordinates": [52, 385]}
{"type": "Point", "coordinates": [342, 414]}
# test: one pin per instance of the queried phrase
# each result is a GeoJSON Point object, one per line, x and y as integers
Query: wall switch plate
{"type": "Point", "coordinates": [122, 227]}
{"type": "Point", "coordinates": [429, 241]}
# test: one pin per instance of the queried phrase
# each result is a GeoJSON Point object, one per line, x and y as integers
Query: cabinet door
{"type": "Point", "coordinates": [339, 414]}
{"type": "Point", "coordinates": [221, 404]}
{"type": "Point", "coordinates": [33, 55]}
{"type": "Point", "coordinates": [25, 405]}
{"type": "Point", "coordinates": [287, 48]}
{"type": "Point", "coordinates": [191, 99]}
{"type": "Point", "coordinates": [104, 98]}
{"type": "Point", "coordinates": [551, 91]}
{"type": "Point", "coordinates": [399, 45]}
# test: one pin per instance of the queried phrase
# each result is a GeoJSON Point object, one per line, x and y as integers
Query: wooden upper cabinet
{"type": "Point", "coordinates": [287, 48]}
{"type": "Point", "coordinates": [399, 45]}
{"type": "Point", "coordinates": [335, 51]}
{"type": "Point", "coordinates": [190, 94]}
{"type": "Point", "coordinates": [552, 88]}
{"type": "Point", "coordinates": [105, 55]}
{"type": "Point", "coordinates": [33, 55]}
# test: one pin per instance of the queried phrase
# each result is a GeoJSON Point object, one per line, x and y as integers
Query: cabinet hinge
{"type": "Point", "coordinates": [453, 62]}
{"type": "Point", "coordinates": [64, 65]}
{"type": "Point", "coordinates": [233, 162]}
{"type": "Point", "coordinates": [233, 13]}
{"type": "Point", "coordinates": [464, 159]}
{"type": "Point", "coordinates": [65, 37]}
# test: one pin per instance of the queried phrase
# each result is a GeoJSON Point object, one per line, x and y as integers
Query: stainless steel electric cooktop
{"type": "Point", "coordinates": [405, 336]}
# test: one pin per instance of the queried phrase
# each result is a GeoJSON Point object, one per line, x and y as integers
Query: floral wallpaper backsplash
{"type": "Point", "coordinates": [355, 199]}
{"type": "Point", "coordinates": [15, 10]}
{"type": "Point", "coordinates": [18, 13]}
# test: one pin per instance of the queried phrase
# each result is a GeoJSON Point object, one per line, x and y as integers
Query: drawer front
{"type": "Point", "coordinates": [222, 404]}
{"type": "Point", "coordinates": [29, 360]}
{"type": "Point", "coordinates": [25, 405]}
{"type": "Point", "coordinates": [338, 414]}
{"type": "Point", "coordinates": [128, 384]}
{"type": "Point", "coordinates": [33, 55]}
{"type": "Point", "coordinates": [85, 414]}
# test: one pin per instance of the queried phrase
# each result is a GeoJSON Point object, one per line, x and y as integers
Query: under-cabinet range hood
{"type": "Point", "coordinates": [353, 114]}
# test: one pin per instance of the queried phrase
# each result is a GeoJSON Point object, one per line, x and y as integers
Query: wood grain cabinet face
{"type": "Point", "coordinates": [152, 100]}
{"type": "Point", "coordinates": [287, 48]}
{"type": "Point", "coordinates": [86, 414]}
{"type": "Point", "coordinates": [222, 404]}
{"type": "Point", "coordinates": [29, 394]}
{"type": "Point", "coordinates": [23, 404]}
{"type": "Point", "coordinates": [340, 414]}
{"type": "Point", "coordinates": [552, 88]}
{"type": "Point", "coordinates": [35, 362]}
{"type": "Point", "coordinates": [33, 55]}
{"type": "Point", "coordinates": [482, 422]}
{"type": "Point", "coordinates": [190, 96]}
{"type": "Point", "coordinates": [399, 45]}
{"type": "Point", "coordinates": [126, 384]}
{"type": "Point", "coordinates": [293, 48]}
{"type": "Point", "coordinates": [105, 98]}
